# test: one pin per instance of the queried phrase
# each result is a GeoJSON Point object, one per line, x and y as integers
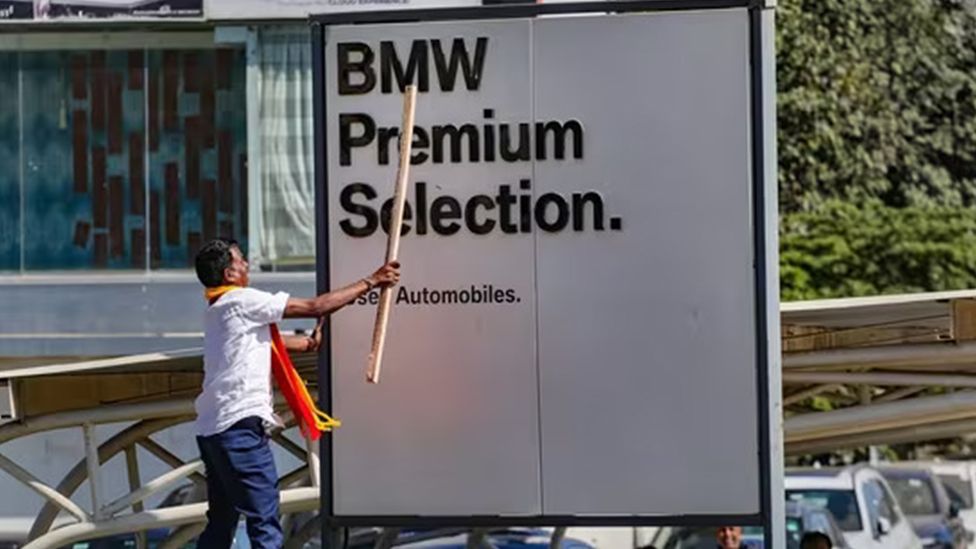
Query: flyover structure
{"type": "Point", "coordinates": [856, 372]}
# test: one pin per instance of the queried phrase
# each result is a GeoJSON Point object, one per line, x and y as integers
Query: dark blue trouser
{"type": "Point", "coordinates": [241, 479]}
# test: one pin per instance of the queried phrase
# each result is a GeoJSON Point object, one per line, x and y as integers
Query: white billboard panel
{"type": "Point", "coordinates": [218, 10]}
{"type": "Point", "coordinates": [575, 332]}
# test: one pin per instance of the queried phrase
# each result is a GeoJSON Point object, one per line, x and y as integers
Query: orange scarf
{"type": "Point", "coordinates": [311, 421]}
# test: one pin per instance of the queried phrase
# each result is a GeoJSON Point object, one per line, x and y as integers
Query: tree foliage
{"type": "Point", "coordinates": [877, 98]}
{"type": "Point", "coordinates": [842, 249]}
{"type": "Point", "coordinates": [877, 146]}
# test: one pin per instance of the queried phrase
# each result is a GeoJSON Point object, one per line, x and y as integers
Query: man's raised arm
{"type": "Point", "coordinates": [328, 303]}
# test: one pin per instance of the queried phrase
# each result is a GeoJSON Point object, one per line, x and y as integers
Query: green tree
{"type": "Point", "coordinates": [877, 99]}
{"type": "Point", "coordinates": [842, 249]}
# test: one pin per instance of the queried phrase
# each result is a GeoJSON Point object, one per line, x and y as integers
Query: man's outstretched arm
{"type": "Point", "coordinates": [328, 303]}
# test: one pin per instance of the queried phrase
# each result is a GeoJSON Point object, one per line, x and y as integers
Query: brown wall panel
{"type": "Point", "coordinates": [225, 60]}
{"type": "Point", "coordinates": [191, 156]}
{"type": "Point", "coordinates": [82, 232]}
{"type": "Point", "coordinates": [193, 244]}
{"type": "Point", "coordinates": [137, 175]}
{"type": "Point", "coordinates": [191, 72]}
{"type": "Point", "coordinates": [207, 99]}
{"type": "Point", "coordinates": [99, 190]}
{"type": "Point", "coordinates": [171, 86]}
{"type": "Point", "coordinates": [152, 104]}
{"type": "Point", "coordinates": [225, 175]}
{"type": "Point", "coordinates": [138, 249]}
{"type": "Point", "coordinates": [101, 250]}
{"type": "Point", "coordinates": [116, 229]}
{"type": "Point", "coordinates": [172, 204]}
{"type": "Point", "coordinates": [79, 76]}
{"type": "Point", "coordinates": [208, 209]}
{"type": "Point", "coordinates": [227, 229]}
{"type": "Point", "coordinates": [114, 113]}
{"type": "Point", "coordinates": [155, 247]}
{"type": "Point", "coordinates": [136, 65]}
{"type": "Point", "coordinates": [79, 149]}
{"type": "Point", "coordinates": [98, 85]}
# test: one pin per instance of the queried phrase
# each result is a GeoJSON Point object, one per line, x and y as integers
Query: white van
{"type": "Point", "coordinates": [959, 478]}
{"type": "Point", "coordinates": [861, 502]}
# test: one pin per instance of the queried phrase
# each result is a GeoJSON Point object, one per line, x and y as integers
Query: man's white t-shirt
{"type": "Point", "coordinates": [237, 359]}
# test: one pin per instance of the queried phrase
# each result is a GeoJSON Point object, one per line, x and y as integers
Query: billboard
{"type": "Point", "coordinates": [43, 10]}
{"type": "Point", "coordinates": [577, 331]}
{"type": "Point", "coordinates": [300, 9]}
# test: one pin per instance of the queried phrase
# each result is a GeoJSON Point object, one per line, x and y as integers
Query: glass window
{"type": "Point", "coordinates": [197, 142]}
{"type": "Point", "coordinates": [915, 495]}
{"type": "Point", "coordinates": [284, 204]}
{"type": "Point", "coordinates": [84, 119]}
{"type": "Point", "coordinates": [841, 503]}
{"type": "Point", "coordinates": [120, 159]}
{"type": "Point", "coordinates": [959, 489]}
{"type": "Point", "coordinates": [817, 522]}
{"type": "Point", "coordinates": [9, 162]}
{"type": "Point", "coordinates": [880, 503]}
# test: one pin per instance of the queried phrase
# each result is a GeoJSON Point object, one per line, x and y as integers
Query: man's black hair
{"type": "Point", "coordinates": [212, 259]}
{"type": "Point", "coordinates": [810, 538]}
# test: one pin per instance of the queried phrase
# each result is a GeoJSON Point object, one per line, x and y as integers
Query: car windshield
{"type": "Point", "coordinates": [841, 503]}
{"type": "Point", "coordinates": [914, 495]}
{"type": "Point", "coordinates": [959, 490]}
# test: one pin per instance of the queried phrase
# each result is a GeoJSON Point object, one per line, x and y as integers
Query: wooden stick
{"type": "Point", "coordinates": [393, 240]}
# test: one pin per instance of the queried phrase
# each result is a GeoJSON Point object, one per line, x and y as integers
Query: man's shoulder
{"type": "Point", "coordinates": [249, 294]}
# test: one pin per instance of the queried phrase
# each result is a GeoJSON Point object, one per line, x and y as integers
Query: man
{"type": "Point", "coordinates": [815, 540]}
{"type": "Point", "coordinates": [234, 410]}
{"type": "Point", "coordinates": [729, 537]}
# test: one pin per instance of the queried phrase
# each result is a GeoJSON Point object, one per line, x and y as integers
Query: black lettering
{"type": "Point", "coordinates": [505, 148]}
{"type": "Point", "coordinates": [510, 296]}
{"type": "Point", "coordinates": [386, 216]}
{"type": "Point", "coordinates": [445, 208]}
{"type": "Point", "coordinates": [370, 219]}
{"type": "Point", "coordinates": [472, 71]}
{"type": "Point", "coordinates": [505, 201]}
{"type": "Point", "coordinates": [562, 212]}
{"type": "Point", "coordinates": [420, 141]}
{"type": "Point", "coordinates": [347, 141]}
{"type": "Point", "coordinates": [499, 296]}
{"type": "Point", "coordinates": [579, 210]}
{"type": "Point", "coordinates": [374, 297]}
{"type": "Point", "coordinates": [559, 142]}
{"type": "Point", "coordinates": [489, 136]}
{"type": "Point", "coordinates": [420, 191]}
{"type": "Point", "coordinates": [416, 66]}
{"type": "Point", "coordinates": [403, 295]}
{"type": "Point", "coordinates": [348, 67]}
{"type": "Point", "coordinates": [438, 133]}
{"type": "Point", "coordinates": [471, 214]}
{"type": "Point", "coordinates": [525, 207]}
{"type": "Point", "coordinates": [383, 138]}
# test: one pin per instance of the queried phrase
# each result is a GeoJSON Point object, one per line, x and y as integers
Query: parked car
{"type": "Point", "coordinates": [932, 513]}
{"type": "Point", "coordinates": [800, 518]}
{"type": "Point", "coordinates": [860, 501]}
{"type": "Point", "coordinates": [959, 480]}
{"type": "Point", "coordinates": [672, 537]}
